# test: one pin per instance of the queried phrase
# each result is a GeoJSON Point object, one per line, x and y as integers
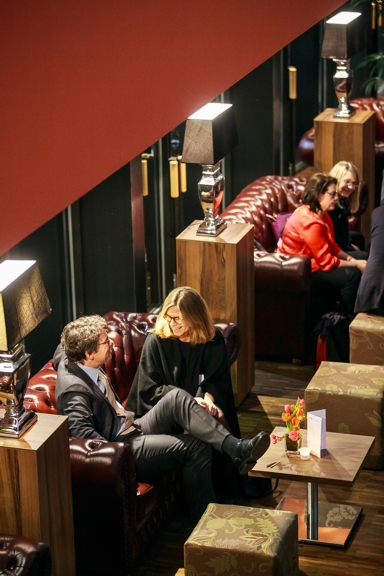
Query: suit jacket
{"type": "Point", "coordinates": [370, 295]}
{"type": "Point", "coordinates": [89, 412]}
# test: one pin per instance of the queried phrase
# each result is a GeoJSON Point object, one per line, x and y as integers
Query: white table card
{"type": "Point", "coordinates": [316, 431]}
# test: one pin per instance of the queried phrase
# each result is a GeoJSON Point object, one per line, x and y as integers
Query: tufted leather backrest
{"type": "Point", "coordinates": [261, 201]}
{"type": "Point", "coordinates": [128, 331]}
{"type": "Point", "coordinates": [23, 556]}
{"type": "Point", "coordinates": [378, 107]}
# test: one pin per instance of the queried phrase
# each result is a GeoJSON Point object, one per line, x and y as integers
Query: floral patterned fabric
{"type": "Point", "coordinates": [353, 396]}
{"type": "Point", "coordinates": [366, 334]}
{"type": "Point", "coordinates": [239, 540]}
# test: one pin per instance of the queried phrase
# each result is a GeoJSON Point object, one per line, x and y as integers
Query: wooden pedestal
{"type": "Point", "coordinates": [36, 491]}
{"type": "Point", "coordinates": [351, 139]}
{"type": "Point", "coordinates": [221, 269]}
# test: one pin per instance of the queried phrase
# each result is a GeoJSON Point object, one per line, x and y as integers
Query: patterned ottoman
{"type": "Point", "coordinates": [366, 335]}
{"type": "Point", "coordinates": [353, 395]}
{"type": "Point", "coordinates": [243, 541]}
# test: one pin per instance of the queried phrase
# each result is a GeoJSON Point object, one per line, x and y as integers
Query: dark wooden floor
{"type": "Point", "coordinates": [275, 385]}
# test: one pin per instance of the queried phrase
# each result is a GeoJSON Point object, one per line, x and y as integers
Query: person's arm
{"type": "Point", "coordinates": [348, 260]}
{"type": "Point", "coordinates": [78, 408]}
{"type": "Point", "coordinates": [316, 237]}
{"type": "Point", "coordinates": [149, 384]}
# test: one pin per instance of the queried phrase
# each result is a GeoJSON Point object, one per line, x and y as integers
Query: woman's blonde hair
{"type": "Point", "coordinates": [339, 171]}
{"type": "Point", "coordinates": [194, 309]}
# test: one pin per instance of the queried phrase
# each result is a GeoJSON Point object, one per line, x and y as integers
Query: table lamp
{"type": "Point", "coordinates": [23, 305]}
{"type": "Point", "coordinates": [342, 40]}
{"type": "Point", "coordinates": [210, 134]}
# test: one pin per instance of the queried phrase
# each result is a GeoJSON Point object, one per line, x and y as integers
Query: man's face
{"type": "Point", "coordinates": [103, 351]}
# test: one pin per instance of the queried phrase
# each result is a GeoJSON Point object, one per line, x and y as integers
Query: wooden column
{"type": "Point", "coordinates": [36, 490]}
{"type": "Point", "coordinates": [221, 269]}
{"type": "Point", "coordinates": [351, 139]}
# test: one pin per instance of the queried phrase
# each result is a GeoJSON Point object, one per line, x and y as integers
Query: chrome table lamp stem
{"type": "Point", "coordinates": [211, 190]}
{"type": "Point", "coordinates": [343, 84]}
{"type": "Point", "coordinates": [14, 377]}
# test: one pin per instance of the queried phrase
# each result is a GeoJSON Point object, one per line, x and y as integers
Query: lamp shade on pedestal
{"type": "Point", "coordinates": [210, 134]}
{"type": "Point", "coordinates": [23, 305]}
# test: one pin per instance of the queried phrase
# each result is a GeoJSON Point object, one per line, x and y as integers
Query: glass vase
{"type": "Point", "coordinates": [292, 446]}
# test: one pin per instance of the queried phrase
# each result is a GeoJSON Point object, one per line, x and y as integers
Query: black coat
{"type": "Point", "coordinates": [164, 366]}
{"type": "Point", "coordinates": [370, 295]}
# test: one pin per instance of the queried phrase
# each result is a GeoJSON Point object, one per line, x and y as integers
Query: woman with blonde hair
{"type": "Point", "coordinates": [348, 192]}
{"type": "Point", "coordinates": [185, 351]}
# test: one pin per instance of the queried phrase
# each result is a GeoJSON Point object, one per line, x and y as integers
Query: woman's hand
{"type": "Point", "coordinates": [361, 264]}
{"type": "Point", "coordinates": [209, 406]}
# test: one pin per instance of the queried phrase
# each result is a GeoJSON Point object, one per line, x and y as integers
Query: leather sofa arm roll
{"type": "Point", "coordinates": [104, 495]}
{"type": "Point", "coordinates": [282, 273]}
{"type": "Point", "coordinates": [24, 557]}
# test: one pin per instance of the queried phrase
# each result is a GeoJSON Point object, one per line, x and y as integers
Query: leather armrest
{"type": "Point", "coordinates": [282, 272]}
{"type": "Point", "coordinates": [24, 556]}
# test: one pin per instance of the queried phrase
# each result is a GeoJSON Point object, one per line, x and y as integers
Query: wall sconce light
{"type": "Point", "coordinates": [23, 305]}
{"type": "Point", "coordinates": [210, 134]}
{"type": "Point", "coordinates": [342, 40]}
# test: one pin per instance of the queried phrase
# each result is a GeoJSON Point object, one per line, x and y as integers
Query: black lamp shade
{"type": "Point", "coordinates": [208, 141]}
{"type": "Point", "coordinates": [342, 41]}
{"type": "Point", "coordinates": [23, 305]}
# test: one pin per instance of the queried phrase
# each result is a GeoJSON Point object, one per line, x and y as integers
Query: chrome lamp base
{"type": "Point", "coordinates": [211, 226]}
{"type": "Point", "coordinates": [14, 377]}
{"type": "Point", "coordinates": [211, 191]}
{"type": "Point", "coordinates": [343, 84]}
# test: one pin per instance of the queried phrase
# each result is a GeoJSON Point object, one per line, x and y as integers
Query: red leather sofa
{"type": "Point", "coordinates": [20, 556]}
{"type": "Point", "coordinates": [114, 516]}
{"type": "Point", "coordinates": [306, 145]}
{"type": "Point", "coordinates": [286, 310]}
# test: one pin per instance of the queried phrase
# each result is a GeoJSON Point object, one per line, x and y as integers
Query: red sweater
{"type": "Point", "coordinates": [308, 234]}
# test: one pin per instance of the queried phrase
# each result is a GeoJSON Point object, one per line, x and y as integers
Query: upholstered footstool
{"type": "Point", "coordinates": [353, 396]}
{"type": "Point", "coordinates": [243, 540]}
{"type": "Point", "coordinates": [366, 336]}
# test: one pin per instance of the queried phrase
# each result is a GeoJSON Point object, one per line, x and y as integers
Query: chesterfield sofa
{"type": "Point", "coordinates": [306, 145]}
{"type": "Point", "coordinates": [286, 310]}
{"type": "Point", "coordinates": [21, 556]}
{"type": "Point", "coordinates": [115, 517]}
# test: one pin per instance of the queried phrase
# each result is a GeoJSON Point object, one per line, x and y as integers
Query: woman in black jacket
{"type": "Point", "coordinates": [348, 191]}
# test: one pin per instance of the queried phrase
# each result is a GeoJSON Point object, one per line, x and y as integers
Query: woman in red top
{"type": "Point", "coordinates": [309, 231]}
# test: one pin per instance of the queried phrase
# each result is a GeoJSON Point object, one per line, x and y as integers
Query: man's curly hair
{"type": "Point", "coordinates": [81, 336]}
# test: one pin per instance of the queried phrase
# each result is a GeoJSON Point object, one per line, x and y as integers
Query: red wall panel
{"type": "Point", "coordinates": [87, 85]}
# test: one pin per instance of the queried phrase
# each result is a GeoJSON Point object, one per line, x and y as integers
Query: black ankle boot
{"type": "Point", "coordinates": [249, 451]}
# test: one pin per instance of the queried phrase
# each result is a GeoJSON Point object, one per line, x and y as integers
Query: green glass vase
{"type": "Point", "coordinates": [292, 446]}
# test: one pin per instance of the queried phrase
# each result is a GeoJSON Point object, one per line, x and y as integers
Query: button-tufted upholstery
{"type": "Point", "coordinates": [111, 510]}
{"type": "Point", "coordinates": [20, 556]}
{"type": "Point", "coordinates": [285, 308]}
{"type": "Point", "coordinates": [307, 142]}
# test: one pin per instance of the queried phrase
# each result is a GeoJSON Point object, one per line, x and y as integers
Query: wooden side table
{"type": "Point", "coordinates": [36, 490]}
{"type": "Point", "coordinates": [351, 139]}
{"type": "Point", "coordinates": [220, 268]}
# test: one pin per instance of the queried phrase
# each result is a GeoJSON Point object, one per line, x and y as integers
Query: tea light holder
{"type": "Point", "coordinates": [305, 453]}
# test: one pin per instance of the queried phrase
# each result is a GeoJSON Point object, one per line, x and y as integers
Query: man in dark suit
{"type": "Point", "coordinates": [177, 432]}
{"type": "Point", "coordinates": [370, 295]}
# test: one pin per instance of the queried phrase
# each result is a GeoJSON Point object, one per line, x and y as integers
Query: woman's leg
{"type": "Point", "coordinates": [344, 279]}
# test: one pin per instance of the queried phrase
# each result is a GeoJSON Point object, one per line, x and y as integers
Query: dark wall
{"type": "Point", "coordinates": [47, 248]}
{"type": "Point", "coordinates": [107, 247]}
{"type": "Point", "coordinates": [252, 99]}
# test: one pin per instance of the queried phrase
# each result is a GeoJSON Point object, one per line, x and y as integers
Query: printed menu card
{"type": "Point", "coordinates": [316, 428]}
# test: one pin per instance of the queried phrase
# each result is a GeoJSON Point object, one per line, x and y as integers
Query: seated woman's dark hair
{"type": "Point", "coordinates": [316, 185]}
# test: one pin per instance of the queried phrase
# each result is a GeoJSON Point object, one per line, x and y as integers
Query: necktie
{"type": "Point", "coordinates": [110, 394]}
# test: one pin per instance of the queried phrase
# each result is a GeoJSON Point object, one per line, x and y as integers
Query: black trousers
{"type": "Point", "coordinates": [177, 432]}
{"type": "Point", "coordinates": [342, 282]}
